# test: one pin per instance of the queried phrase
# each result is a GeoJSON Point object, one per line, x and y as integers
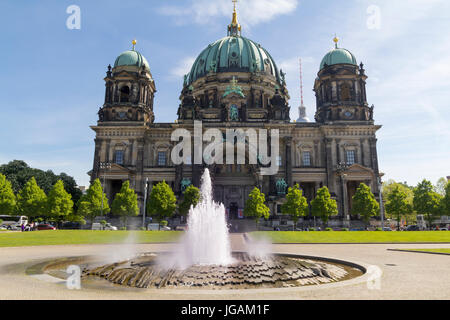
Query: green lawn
{"type": "Point", "coordinates": [354, 237]}
{"type": "Point", "coordinates": [62, 237]}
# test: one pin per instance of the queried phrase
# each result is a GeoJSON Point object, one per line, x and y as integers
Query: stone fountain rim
{"type": "Point", "coordinates": [363, 267]}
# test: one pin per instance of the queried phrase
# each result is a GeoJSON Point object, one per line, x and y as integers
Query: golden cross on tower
{"type": "Point", "coordinates": [234, 2]}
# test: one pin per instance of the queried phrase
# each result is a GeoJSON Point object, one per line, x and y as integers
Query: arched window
{"type": "Point", "coordinates": [124, 94]}
{"type": "Point", "coordinates": [345, 92]}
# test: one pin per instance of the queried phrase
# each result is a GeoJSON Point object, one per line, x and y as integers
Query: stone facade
{"type": "Point", "coordinates": [339, 150]}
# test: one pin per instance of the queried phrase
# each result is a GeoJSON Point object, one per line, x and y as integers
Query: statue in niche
{"type": "Point", "coordinates": [185, 183]}
{"type": "Point", "coordinates": [371, 112]}
{"type": "Point", "coordinates": [211, 99]}
{"type": "Point", "coordinates": [234, 113]}
{"type": "Point", "coordinates": [134, 93]}
{"type": "Point", "coordinates": [281, 187]}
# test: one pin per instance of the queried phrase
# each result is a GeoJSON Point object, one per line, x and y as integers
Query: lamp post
{"type": "Point", "coordinates": [104, 166]}
{"type": "Point", "coordinates": [341, 168]}
{"type": "Point", "coordinates": [380, 187]}
{"type": "Point", "coordinates": [145, 202]}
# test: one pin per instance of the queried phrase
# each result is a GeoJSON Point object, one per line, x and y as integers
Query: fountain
{"type": "Point", "coordinates": [207, 241]}
{"type": "Point", "coordinates": [204, 260]}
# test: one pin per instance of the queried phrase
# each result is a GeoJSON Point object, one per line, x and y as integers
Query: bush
{"type": "Point", "coordinates": [142, 229]}
{"type": "Point", "coordinates": [378, 229]}
{"type": "Point", "coordinates": [103, 222]}
{"type": "Point", "coordinates": [1, 221]}
{"type": "Point", "coordinates": [164, 223]}
{"type": "Point", "coordinates": [123, 229]}
{"type": "Point", "coordinates": [311, 229]}
{"type": "Point", "coordinates": [345, 229]}
{"type": "Point", "coordinates": [328, 229]}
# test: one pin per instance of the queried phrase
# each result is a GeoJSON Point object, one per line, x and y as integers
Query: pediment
{"type": "Point", "coordinates": [357, 168]}
{"type": "Point", "coordinates": [116, 168]}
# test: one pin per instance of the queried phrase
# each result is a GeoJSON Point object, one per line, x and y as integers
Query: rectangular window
{"type": "Point", "coordinates": [350, 157]}
{"type": "Point", "coordinates": [161, 159]}
{"type": "Point", "coordinates": [279, 161]}
{"type": "Point", "coordinates": [307, 159]}
{"type": "Point", "coordinates": [119, 157]}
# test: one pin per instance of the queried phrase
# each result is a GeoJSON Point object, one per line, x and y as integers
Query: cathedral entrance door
{"type": "Point", "coordinates": [234, 211]}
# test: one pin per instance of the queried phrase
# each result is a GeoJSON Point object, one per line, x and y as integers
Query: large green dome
{"type": "Point", "coordinates": [131, 58]}
{"type": "Point", "coordinates": [233, 54]}
{"type": "Point", "coordinates": [338, 56]}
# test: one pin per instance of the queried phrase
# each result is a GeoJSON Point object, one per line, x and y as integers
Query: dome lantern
{"type": "Point", "coordinates": [338, 56]}
{"type": "Point", "coordinates": [132, 58]}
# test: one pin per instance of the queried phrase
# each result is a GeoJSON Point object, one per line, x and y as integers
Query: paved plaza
{"type": "Point", "coordinates": [404, 275]}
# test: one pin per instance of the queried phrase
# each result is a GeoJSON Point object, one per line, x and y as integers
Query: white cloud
{"type": "Point", "coordinates": [184, 67]}
{"type": "Point", "coordinates": [251, 12]}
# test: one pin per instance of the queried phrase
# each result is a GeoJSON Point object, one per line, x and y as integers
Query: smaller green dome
{"type": "Point", "coordinates": [131, 58]}
{"type": "Point", "coordinates": [338, 56]}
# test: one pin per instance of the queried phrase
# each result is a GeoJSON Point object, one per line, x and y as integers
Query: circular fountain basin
{"type": "Point", "coordinates": [246, 272]}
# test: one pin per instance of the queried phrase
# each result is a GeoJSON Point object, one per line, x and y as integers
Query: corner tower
{"type": "Point", "coordinates": [340, 89]}
{"type": "Point", "coordinates": [123, 121]}
{"type": "Point", "coordinates": [130, 91]}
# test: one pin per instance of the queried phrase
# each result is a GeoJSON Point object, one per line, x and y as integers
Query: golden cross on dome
{"type": "Point", "coordinates": [134, 42]}
{"type": "Point", "coordinates": [336, 40]}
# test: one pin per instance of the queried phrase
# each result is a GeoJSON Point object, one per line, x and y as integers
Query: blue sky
{"type": "Point", "coordinates": [52, 85]}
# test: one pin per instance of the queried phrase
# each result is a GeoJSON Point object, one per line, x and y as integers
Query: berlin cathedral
{"type": "Point", "coordinates": [235, 83]}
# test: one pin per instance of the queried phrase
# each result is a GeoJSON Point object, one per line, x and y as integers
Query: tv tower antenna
{"type": "Point", "coordinates": [301, 83]}
{"type": "Point", "coordinates": [302, 109]}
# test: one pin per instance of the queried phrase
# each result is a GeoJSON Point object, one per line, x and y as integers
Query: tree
{"type": "Point", "coordinates": [426, 201]}
{"type": "Point", "coordinates": [296, 205]}
{"type": "Point", "coordinates": [7, 197]}
{"type": "Point", "coordinates": [397, 203]}
{"type": "Point", "coordinates": [32, 201]}
{"type": "Point", "coordinates": [59, 202]}
{"type": "Point", "coordinates": [19, 173]}
{"type": "Point", "coordinates": [364, 203]}
{"type": "Point", "coordinates": [90, 204]}
{"type": "Point", "coordinates": [191, 198]}
{"type": "Point", "coordinates": [323, 206]}
{"type": "Point", "coordinates": [439, 188]}
{"type": "Point", "coordinates": [388, 188]}
{"type": "Point", "coordinates": [162, 202]}
{"type": "Point", "coordinates": [445, 202]}
{"type": "Point", "coordinates": [125, 203]}
{"type": "Point", "coordinates": [255, 206]}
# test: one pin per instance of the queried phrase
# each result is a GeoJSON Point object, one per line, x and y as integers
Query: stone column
{"type": "Point", "coordinates": [338, 151]}
{"type": "Point", "coordinates": [361, 145]}
{"type": "Point", "coordinates": [96, 165]}
{"type": "Point", "coordinates": [316, 160]}
{"type": "Point", "coordinates": [140, 166]}
{"type": "Point", "coordinates": [329, 163]}
{"type": "Point", "coordinates": [288, 144]}
{"type": "Point", "coordinates": [130, 153]}
{"type": "Point", "coordinates": [178, 178]}
{"type": "Point", "coordinates": [374, 155]}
